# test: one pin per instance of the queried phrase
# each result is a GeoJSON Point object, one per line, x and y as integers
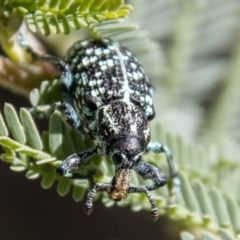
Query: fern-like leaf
{"type": "Point", "coordinates": [61, 15]}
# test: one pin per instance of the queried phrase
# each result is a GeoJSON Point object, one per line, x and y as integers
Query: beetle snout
{"type": "Point", "coordinates": [118, 194]}
{"type": "Point", "coordinates": [120, 184]}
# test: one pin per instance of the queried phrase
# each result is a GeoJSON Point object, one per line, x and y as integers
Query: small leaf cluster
{"type": "Point", "coordinates": [61, 15]}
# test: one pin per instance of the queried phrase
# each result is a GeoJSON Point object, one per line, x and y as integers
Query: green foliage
{"type": "Point", "coordinates": [207, 236]}
{"type": "Point", "coordinates": [61, 15]}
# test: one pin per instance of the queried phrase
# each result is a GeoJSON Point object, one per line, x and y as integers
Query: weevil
{"type": "Point", "coordinates": [107, 97]}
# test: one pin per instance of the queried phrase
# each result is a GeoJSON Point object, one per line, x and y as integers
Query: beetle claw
{"type": "Point", "coordinates": [155, 214]}
{"type": "Point", "coordinates": [88, 209]}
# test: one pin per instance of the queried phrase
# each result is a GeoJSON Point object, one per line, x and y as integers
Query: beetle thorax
{"type": "Point", "coordinates": [121, 120]}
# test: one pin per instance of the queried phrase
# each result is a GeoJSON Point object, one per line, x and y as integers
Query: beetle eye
{"type": "Point", "coordinates": [137, 159]}
{"type": "Point", "coordinates": [117, 158]}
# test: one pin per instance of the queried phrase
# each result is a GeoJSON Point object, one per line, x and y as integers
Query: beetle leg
{"type": "Point", "coordinates": [148, 171]}
{"type": "Point", "coordinates": [98, 186]}
{"type": "Point", "coordinates": [154, 209]}
{"type": "Point", "coordinates": [71, 116]}
{"type": "Point", "coordinates": [158, 147]}
{"type": "Point", "coordinates": [68, 111]}
{"type": "Point", "coordinates": [75, 161]}
{"type": "Point", "coordinates": [66, 74]}
{"type": "Point", "coordinates": [66, 83]}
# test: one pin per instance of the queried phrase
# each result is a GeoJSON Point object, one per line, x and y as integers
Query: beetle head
{"type": "Point", "coordinates": [126, 153]}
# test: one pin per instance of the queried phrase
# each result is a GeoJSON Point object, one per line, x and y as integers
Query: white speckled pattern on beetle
{"type": "Point", "coordinates": [109, 72]}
